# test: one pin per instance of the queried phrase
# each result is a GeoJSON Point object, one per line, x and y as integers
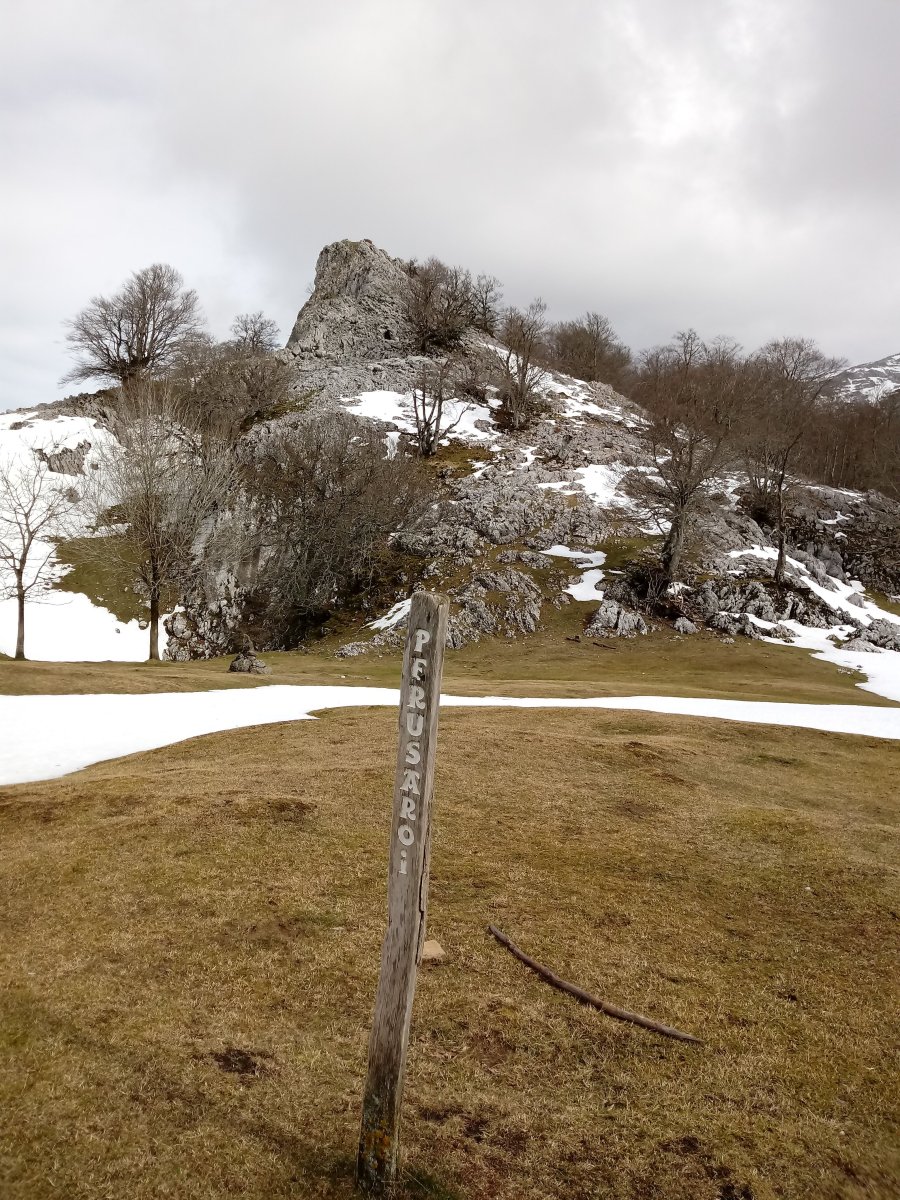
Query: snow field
{"type": "Point", "coordinates": [90, 729]}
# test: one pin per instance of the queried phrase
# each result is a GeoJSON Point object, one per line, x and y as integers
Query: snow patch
{"type": "Point", "coordinates": [90, 729]}
{"type": "Point", "coordinates": [393, 617]}
{"type": "Point", "coordinates": [61, 626]}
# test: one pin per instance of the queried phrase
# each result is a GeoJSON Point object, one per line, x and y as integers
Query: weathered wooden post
{"type": "Point", "coordinates": [410, 846]}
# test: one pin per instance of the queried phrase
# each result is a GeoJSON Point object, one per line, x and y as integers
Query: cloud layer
{"type": "Point", "coordinates": [726, 164]}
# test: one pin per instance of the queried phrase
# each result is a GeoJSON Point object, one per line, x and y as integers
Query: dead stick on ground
{"type": "Point", "coordinates": [620, 1014]}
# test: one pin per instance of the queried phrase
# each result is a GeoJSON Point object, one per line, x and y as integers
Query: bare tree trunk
{"type": "Point", "coordinates": [154, 623]}
{"type": "Point", "coordinates": [779, 565]}
{"type": "Point", "coordinates": [779, 516]}
{"type": "Point", "coordinates": [20, 633]}
{"type": "Point", "coordinates": [673, 546]}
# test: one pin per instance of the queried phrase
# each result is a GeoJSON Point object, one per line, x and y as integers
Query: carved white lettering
{"type": "Point", "coordinates": [403, 870]}
{"type": "Point", "coordinates": [416, 697]}
{"type": "Point", "coordinates": [407, 808]}
{"type": "Point", "coordinates": [415, 723]}
{"type": "Point", "coordinates": [422, 637]}
{"type": "Point", "coordinates": [418, 668]}
{"type": "Point", "coordinates": [410, 782]}
{"type": "Point", "coordinates": [406, 835]}
{"type": "Point", "coordinates": [413, 755]}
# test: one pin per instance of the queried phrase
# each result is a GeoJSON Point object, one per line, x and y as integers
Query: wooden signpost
{"type": "Point", "coordinates": [420, 690]}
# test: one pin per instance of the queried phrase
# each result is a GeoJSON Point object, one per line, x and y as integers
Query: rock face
{"type": "Point", "coordinates": [357, 310]}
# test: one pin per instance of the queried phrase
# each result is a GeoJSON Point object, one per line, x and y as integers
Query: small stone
{"type": "Point", "coordinates": [432, 953]}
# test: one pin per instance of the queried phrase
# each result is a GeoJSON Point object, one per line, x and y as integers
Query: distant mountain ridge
{"type": "Point", "coordinates": [869, 381]}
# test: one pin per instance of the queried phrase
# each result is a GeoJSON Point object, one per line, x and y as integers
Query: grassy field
{"type": "Point", "coordinates": [544, 664]}
{"type": "Point", "coordinates": [191, 938]}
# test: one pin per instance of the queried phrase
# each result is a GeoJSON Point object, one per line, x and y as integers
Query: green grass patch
{"type": "Point", "coordinates": [103, 579]}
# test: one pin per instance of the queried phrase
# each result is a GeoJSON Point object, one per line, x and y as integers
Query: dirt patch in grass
{"type": "Point", "coordinates": [185, 997]}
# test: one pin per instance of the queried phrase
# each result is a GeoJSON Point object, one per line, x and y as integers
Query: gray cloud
{"type": "Point", "coordinates": [727, 164]}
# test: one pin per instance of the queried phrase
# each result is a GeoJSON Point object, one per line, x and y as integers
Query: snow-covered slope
{"type": "Point", "coordinates": [869, 381]}
{"type": "Point", "coordinates": [60, 625]}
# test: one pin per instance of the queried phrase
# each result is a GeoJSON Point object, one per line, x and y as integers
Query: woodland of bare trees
{"type": "Point", "coordinates": [588, 348]}
{"type": "Point", "coordinates": [855, 444]}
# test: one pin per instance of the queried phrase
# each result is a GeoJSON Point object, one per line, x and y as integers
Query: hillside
{"type": "Point", "coordinates": [868, 381]}
{"type": "Point", "coordinates": [551, 526]}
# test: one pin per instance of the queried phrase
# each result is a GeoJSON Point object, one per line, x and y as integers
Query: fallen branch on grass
{"type": "Point", "coordinates": [620, 1014]}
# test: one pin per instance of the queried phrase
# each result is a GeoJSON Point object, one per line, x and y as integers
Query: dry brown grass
{"type": "Point", "coordinates": [190, 947]}
{"type": "Point", "coordinates": [545, 664]}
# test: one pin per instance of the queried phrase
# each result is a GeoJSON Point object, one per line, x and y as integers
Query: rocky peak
{"type": "Point", "coordinates": [357, 310]}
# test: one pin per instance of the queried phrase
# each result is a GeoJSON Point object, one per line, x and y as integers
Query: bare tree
{"type": "Point", "coordinates": [323, 501]}
{"type": "Point", "coordinates": [789, 375]}
{"type": "Point", "coordinates": [154, 497]}
{"type": "Point", "coordinates": [35, 507]}
{"type": "Point", "coordinates": [143, 330]}
{"type": "Point", "coordinates": [440, 305]}
{"type": "Point", "coordinates": [486, 298]}
{"type": "Point", "coordinates": [523, 335]}
{"type": "Point", "coordinates": [227, 387]}
{"type": "Point", "coordinates": [693, 393]}
{"type": "Point", "coordinates": [429, 399]}
{"type": "Point", "coordinates": [589, 348]}
{"type": "Point", "coordinates": [254, 333]}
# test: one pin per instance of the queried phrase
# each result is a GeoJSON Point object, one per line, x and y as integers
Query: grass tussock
{"type": "Point", "coordinates": [191, 941]}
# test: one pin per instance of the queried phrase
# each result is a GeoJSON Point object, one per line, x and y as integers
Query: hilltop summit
{"type": "Point", "coordinates": [356, 310]}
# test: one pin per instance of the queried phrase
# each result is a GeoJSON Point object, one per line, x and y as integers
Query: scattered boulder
{"type": "Point", "coordinates": [353, 649]}
{"type": "Point", "coordinates": [860, 645]}
{"type": "Point", "coordinates": [248, 663]}
{"type": "Point", "coordinates": [735, 623]}
{"type": "Point", "coordinates": [784, 633]}
{"type": "Point", "coordinates": [612, 620]}
{"type": "Point", "coordinates": [683, 625]}
{"type": "Point", "coordinates": [883, 634]}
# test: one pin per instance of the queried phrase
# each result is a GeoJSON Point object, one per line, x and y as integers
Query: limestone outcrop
{"type": "Point", "coordinates": [357, 309]}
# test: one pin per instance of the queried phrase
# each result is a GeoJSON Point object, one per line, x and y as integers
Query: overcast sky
{"type": "Point", "coordinates": [730, 165]}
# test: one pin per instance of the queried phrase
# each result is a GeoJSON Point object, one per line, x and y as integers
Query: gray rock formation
{"type": "Point", "coordinates": [683, 625]}
{"type": "Point", "coordinates": [860, 645]}
{"type": "Point", "coordinates": [612, 620]}
{"type": "Point", "coordinates": [68, 461]}
{"type": "Point", "coordinates": [357, 310]}
{"type": "Point", "coordinates": [883, 634]}
{"type": "Point", "coordinates": [248, 663]}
